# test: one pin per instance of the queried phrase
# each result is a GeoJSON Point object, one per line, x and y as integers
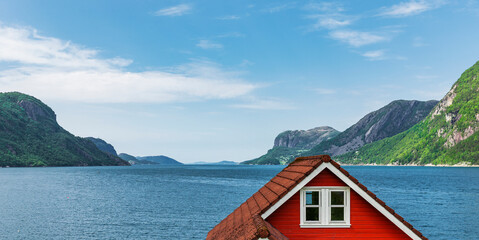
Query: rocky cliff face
{"type": "Point", "coordinates": [388, 121]}
{"type": "Point", "coordinates": [36, 111]}
{"type": "Point", "coordinates": [304, 139]}
{"type": "Point", "coordinates": [292, 143]}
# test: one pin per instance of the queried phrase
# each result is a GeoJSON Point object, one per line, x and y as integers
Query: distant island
{"type": "Point", "coordinates": [149, 160]}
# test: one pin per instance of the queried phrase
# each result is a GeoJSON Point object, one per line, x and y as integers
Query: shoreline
{"type": "Point", "coordinates": [385, 165]}
{"type": "Point", "coordinates": [411, 165]}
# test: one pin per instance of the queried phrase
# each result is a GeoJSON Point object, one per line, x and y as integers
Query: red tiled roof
{"type": "Point", "coordinates": [246, 223]}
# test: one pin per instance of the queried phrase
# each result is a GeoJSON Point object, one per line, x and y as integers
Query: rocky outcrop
{"type": "Point", "coordinates": [304, 139]}
{"type": "Point", "coordinates": [445, 102]}
{"type": "Point", "coordinates": [289, 144]}
{"type": "Point", "coordinates": [34, 111]}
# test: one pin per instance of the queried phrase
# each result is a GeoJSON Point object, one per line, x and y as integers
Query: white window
{"type": "Point", "coordinates": [325, 207]}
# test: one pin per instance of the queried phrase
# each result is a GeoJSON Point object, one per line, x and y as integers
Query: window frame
{"type": "Point", "coordinates": [319, 206]}
{"type": "Point", "coordinates": [325, 208]}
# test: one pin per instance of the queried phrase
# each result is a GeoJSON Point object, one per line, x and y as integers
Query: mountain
{"type": "Point", "coordinates": [163, 160]}
{"type": "Point", "coordinates": [448, 135]}
{"type": "Point", "coordinates": [387, 121]}
{"type": "Point", "coordinates": [304, 139]}
{"type": "Point", "coordinates": [127, 157]}
{"type": "Point", "coordinates": [31, 136]}
{"type": "Point", "coordinates": [289, 144]}
{"type": "Point", "coordinates": [135, 161]}
{"type": "Point", "coordinates": [396, 117]}
{"type": "Point", "coordinates": [103, 146]}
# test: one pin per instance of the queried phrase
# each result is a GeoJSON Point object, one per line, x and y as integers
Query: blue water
{"type": "Point", "coordinates": [185, 202]}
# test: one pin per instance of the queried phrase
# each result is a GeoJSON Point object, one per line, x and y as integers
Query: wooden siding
{"type": "Point", "coordinates": [366, 221]}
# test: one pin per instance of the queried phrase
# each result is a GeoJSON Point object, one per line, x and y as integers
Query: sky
{"type": "Point", "coordinates": [218, 80]}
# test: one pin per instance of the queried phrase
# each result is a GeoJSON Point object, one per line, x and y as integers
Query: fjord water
{"type": "Point", "coordinates": [185, 202]}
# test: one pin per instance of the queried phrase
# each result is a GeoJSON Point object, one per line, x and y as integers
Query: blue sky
{"type": "Point", "coordinates": [218, 80]}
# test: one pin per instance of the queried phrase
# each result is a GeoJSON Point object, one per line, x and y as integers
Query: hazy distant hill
{"type": "Point", "coordinates": [217, 163]}
{"type": "Point", "coordinates": [135, 161]}
{"type": "Point", "coordinates": [448, 135]}
{"type": "Point", "coordinates": [290, 144]}
{"type": "Point", "coordinates": [127, 157]}
{"type": "Point", "coordinates": [31, 136]}
{"type": "Point", "coordinates": [163, 160]}
{"type": "Point", "coordinates": [103, 146]}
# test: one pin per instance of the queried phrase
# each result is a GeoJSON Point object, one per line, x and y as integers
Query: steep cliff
{"type": "Point", "coordinates": [289, 144]}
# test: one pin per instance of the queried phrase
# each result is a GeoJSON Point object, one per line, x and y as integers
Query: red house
{"type": "Point", "coordinates": [313, 198]}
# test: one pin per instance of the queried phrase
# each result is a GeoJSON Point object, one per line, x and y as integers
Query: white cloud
{"type": "Point", "coordinates": [410, 8]}
{"type": "Point", "coordinates": [264, 104]}
{"type": "Point", "coordinates": [333, 23]}
{"type": "Point", "coordinates": [356, 38]}
{"type": "Point", "coordinates": [206, 44]}
{"type": "Point", "coordinates": [50, 68]}
{"type": "Point", "coordinates": [329, 22]}
{"type": "Point", "coordinates": [177, 10]}
{"type": "Point", "coordinates": [329, 15]}
{"type": "Point", "coordinates": [230, 17]}
{"type": "Point", "coordinates": [374, 55]}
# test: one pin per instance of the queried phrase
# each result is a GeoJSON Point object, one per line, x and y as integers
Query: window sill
{"type": "Point", "coordinates": [343, 225]}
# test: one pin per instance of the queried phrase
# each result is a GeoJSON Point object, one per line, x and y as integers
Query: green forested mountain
{"type": "Point", "coordinates": [448, 135]}
{"type": "Point", "coordinates": [31, 136]}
